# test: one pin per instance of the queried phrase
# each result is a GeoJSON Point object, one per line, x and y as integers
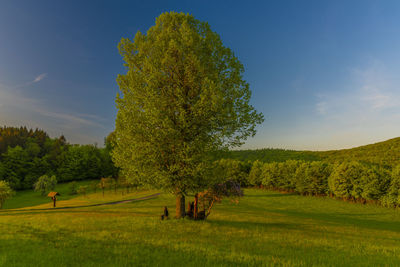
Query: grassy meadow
{"type": "Point", "coordinates": [26, 198]}
{"type": "Point", "coordinates": [264, 229]}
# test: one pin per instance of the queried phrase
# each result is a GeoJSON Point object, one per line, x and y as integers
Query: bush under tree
{"type": "Point", "coordinates": [6, 192]}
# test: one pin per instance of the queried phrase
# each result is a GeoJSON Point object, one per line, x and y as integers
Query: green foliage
{"type": "Point", "coordinates": [344, 177]}
{"type": "Point", "coordinates": [104, 183]}
{"type": "Point", "coordinates": [80, 163]}
{"type": "Point", "coordinates": [357, 181]}
{"type": "Point", "coordinates": [22, 137]}
{"type": "Point", "coordinates": [255, 175]}
{"type": "Point", "coordinates": [73, 188]}
{"type": "Point", "coordinates": [374, 183]}
{"type": "Point", "coordinates": [17, 165]}
{"type": "Point", "coordinates": [52, 182]}
{"type": "Point", "coordinates": [348, 180]}
{"type": "Point", "coordinates": [288, 174]}
{"type": "Point", "coordinates": [312, 178]}
{"type": "Point", "coordinates": [268, 155]}
{"type": "Point", "coordinates": [232, 170]}
{"type": "Point", "coordinates": [83, 189]}
{"type": "Point", "coordinates": [94, 185]}
{"type": "Point", "coordinates": [2, 171]}
{"type": "Point", "coordinates": [25, 155]}
{"type": "Point", "coordinates": [182, 97]}
{"type": "Point", "coordinates": [280, 175]}
{"type": "Point", "coordinates": [5, 192]}
{"type": "Point", "coordinates": [392, 198]}
{"type": "Point", "coordinates": [384, 154]}
{"type": "Point", "coordinates": [270, 175]}
{"type": "Point", "coordinates": [45, 183]}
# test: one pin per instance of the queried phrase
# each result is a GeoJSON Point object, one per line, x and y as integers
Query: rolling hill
{"type": "Point", "coordinates": [386, 154]}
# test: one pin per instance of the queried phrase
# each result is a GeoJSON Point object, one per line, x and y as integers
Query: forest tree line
{"type": "Point", "coordinates": [348, 180]}
{"type": "Point", "coordinates": [27, 154]}
{"type": "Point", "coordinates": [385, 154]}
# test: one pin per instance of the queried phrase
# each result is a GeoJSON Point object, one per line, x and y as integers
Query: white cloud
{"type": "Point", "coordinates": [322, 107]}
{"type": "Point", "coordinates": [36, 80]}
{"type": "Point", "coordinates": [39, 78]}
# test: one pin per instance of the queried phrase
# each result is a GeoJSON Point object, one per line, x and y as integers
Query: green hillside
{"type": "Point", "coordinates": [385, 154]}
{"type": "Point", "coordinates": [270, 155]}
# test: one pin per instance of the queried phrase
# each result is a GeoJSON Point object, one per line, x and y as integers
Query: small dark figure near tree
{"type": "Point", "coordinates": [166, 213]}
{"type": "Point", "coordinates": [190, 212]}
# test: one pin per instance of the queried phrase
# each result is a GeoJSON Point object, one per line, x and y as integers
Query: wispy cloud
{"type": "Point", "coordinates": [364, 109]}
{"type": "Point", "coordinates": [36, 80]}
{"type": "Point", "coordinates": [377, 88]}
{"type": "Point", "coordinates": [372, 90]}
{"type": "Point", "coordinates": [39, 78]}
{"type": "Point", "coordinates": [322, 107]}
{"type": "Point", "coordinates": [18, 109]}
{"type": "Point", "coordinates": [379, 100]}
{"type": "Point", "coordinates": [72, 119]}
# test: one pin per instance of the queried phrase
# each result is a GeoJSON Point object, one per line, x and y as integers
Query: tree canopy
{"type": "Point", "coordinates": [183, 96]}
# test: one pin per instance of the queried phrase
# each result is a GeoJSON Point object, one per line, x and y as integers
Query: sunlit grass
{"type": "Point", "coordinates": [26, 198]}
{"type": "Point", "coordinates": [95, 198]}
{"type": "Point", "coordinates": [264, 229]}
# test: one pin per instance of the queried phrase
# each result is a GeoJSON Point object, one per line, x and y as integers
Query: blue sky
{"type": "Point", "coordinates": [323, 73]}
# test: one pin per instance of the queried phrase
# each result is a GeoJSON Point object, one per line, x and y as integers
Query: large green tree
{"type": "Point", "coordinates": [183, 96]}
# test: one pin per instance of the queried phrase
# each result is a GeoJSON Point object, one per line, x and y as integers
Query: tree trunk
{"type": "Point", "coordinates": [180, 206]}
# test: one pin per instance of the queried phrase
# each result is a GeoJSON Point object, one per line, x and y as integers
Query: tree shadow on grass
{"type": "Point", "coordinates": [271, 195]}
{"type": "Point", "coordinates": [128, 201]}
{"type": "Point", "coordinates": [252, 225]}
{"type": "Point", "coordinates": [98, 212]}
{"type": "Point", "coordinates": [308, 230]}
{"type": "Point", "coordinates": [344, 219]}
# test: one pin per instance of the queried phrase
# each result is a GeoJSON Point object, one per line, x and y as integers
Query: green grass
{"type": "Point", "coordinates": [264, 229]}
{"type": "Point", "coordinates": [26, 198]}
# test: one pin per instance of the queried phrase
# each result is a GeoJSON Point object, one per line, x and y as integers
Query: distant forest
{"type": "Point", "coordinates": [364, 174]}
{"type": "Point", "coordinates": [25, 155]}
{"type": "Point", "coordinates": [385, 154]}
